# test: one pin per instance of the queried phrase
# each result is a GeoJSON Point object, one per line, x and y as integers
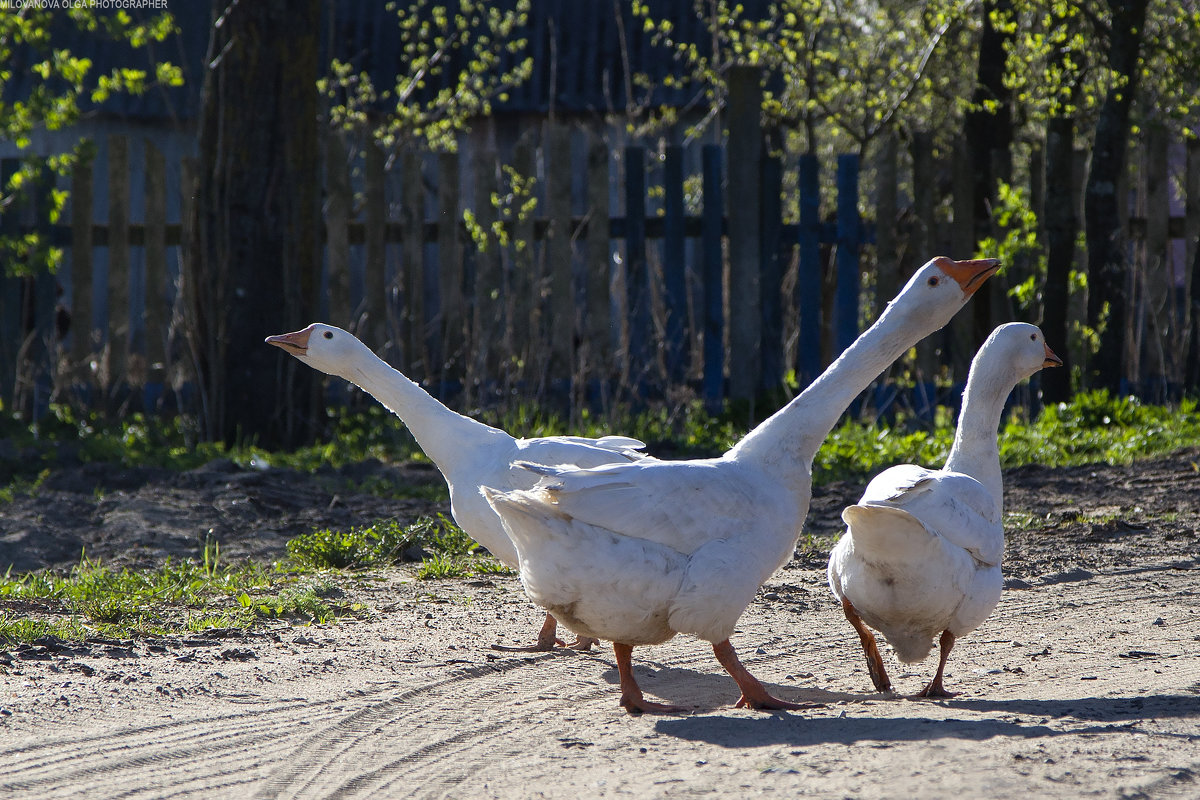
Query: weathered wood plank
{"type": "Point", "coordinates": [488, 319]}
{"type": "Point", "coordinates": [809, 281]}
{"type": "Point", "coordinates": [771, 274]}
{"type": "Point", "coordinates": [183, 369]}
{"type": "Point", "coordinates": [157, 314]}
{"type": "Point", "coordinates": [712, 278]}
{"type": "Point", "coordinates": [413, 266]}
{"type": "Point", "coordinates": [922, 241]}
{"type": "Point", "coordinates": [525, 308]}
{"type": "Point", "coordinates": [744, 150]}
{"type": "Point", "coordinates": [887, 262]}
{"type": "Point", "coordinates": [450, 270]}
{"type": "Point", "coordinates": [597, 354]}
{"type": "Point", "coordinates": [83, 334]}
{"type": "Point", "coordinates": [849, 245]}
{"type": "Point", "coordinates": [561, 322]}
{"type": "Point", "coordinates": [117, 338]}
{"type": "Point", "coordinates": [1160, 340]}
{"type": "Point", "coordinates": [375, 267]}
{"type": "Point", "coordinates": [638, 365]}
{"type": "Point", "coordinates": [11, 332]}
{"type": "Point", "coordinates": [338, 209]}
{"type": "Point", "coordinates": [677, 336]}
{"type": "Point", "coordinates": [964, 336]}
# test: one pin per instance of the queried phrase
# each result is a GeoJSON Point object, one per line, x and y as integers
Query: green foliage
{"type": "Point", "coordinates": [846, 74]}
{"type": "Point", "coordinates": [453, 54]}
{"type": "Point", "coordinates": [57, 79]}
{"type": "Point", "coordinates": [1020, 248]}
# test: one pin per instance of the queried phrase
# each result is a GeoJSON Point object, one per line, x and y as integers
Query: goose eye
{"type": "Point", "coordinates": [933, 281]}
{"type": "Point", "coordinates": [328, 334]}
{"type": "Point", "coordinates": [1033, 337]}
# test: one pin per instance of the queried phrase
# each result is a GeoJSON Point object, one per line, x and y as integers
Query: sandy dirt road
{"type": "Point", "coordinates": [1085, 682]}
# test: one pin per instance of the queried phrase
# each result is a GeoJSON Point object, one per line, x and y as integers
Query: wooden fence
{"type": "Point", "coordinates": [700, 284]}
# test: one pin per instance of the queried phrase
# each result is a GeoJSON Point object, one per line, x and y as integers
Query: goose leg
{"type": "Point", "coordinates": [754, 694]}
{"type": "Point", "coordinates": [546, 640]}
{"type": "Point", "coordinates": [879, 675]}
{"type": "Point", "coordinates": [631, 694]}
{"type": "Point", "coordinates": [935, 688]}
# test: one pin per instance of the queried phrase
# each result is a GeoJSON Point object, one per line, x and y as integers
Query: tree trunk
{"type": "Point", "coordinates": [1061, 227]}
{"type": "Point", "coordinates": [254, 255]}
{"type": "Point", "coordinates": [1107, 258]}
{"type": "Point", "coordinates": [989, 134]}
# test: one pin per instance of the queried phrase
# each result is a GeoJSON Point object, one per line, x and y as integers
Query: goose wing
{"type": "Point", "coordinates": [951, 505]}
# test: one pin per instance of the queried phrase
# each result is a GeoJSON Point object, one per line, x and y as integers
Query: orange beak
{"type": "Point", "coordinates": [1051, 359]}
{"type": "Point", "coordinates": [294, 343]}
{"type": "Point", "coordinates": [970, 275]}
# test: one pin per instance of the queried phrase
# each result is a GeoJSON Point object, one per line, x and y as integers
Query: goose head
{"type": "Point", "coordinates": [1017, 350]}
{"type": "Point", "coordinates": [939, 289]}
{"type": "Point", "coordinates": [324, 347]}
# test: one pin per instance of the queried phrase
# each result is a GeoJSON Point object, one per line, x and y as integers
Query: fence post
{"type": "Point", "coordinates": [185, 296]}
{"type": "Point", "coordinates": [375, 249]}
{"type": "Point", "coordinates": [337, 239]}
{"type": "Point", "coordinates": [11, 334]}
{"type": "Point", "coordinates": [155, 334]}
{"type": "Point", "coordinates": [743, 114]}
{"type": "Point", "coordinates": [676, 330]}
{"type": "Point", "coordinates": [1191, 233]}
{"type": "Point", "coordinates": [771, 273]}
{"type": "Point", "coordinates": [637, 277]}
{"type": "Point", "coordinates": [450, 271]}
{"type": "Point", "coordinates": [488, 321]}
{"type": "Point", "coordinates": [45, 293]}
{"type": "Point", "coordinates": [524, 302]}
{"type": "Point", "coordinates": [118, 261]}
{"type": "Point", "coordinates": [809, 280]}
{"type": "Point", "coordinates": [561, 325]}
{"type": "Point", "coordinates": [712, 275]}
{"type": "Point", "coordinates": [1160, 342]}
{"type": "Point", "coordinates": [849, 241]}
{"type": "Point", "coordinates": [598, 341]}
{"type": "Point", "coordinates": [922, 242]}
{"type": "Point", "coordinates": [963, 336]}
{"type": "Point", "coordinates": [413, 212]}
{"type": "Point", "coordinates": [887, 266]}
{"type": "Point", "coordinates": [83, 334]}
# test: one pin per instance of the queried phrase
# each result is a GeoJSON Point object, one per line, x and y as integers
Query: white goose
{"type": "Point", "coordinates": [636, 553]}
{"type": "Point", "coordinates": [469, 453]}
{"type": "Point", "coordinates": [921, 555]}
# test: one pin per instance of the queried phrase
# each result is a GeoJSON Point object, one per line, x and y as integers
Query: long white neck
{"type": "Point", "coordinates": [976, 450]}
{"type": "Point", "coordinates": [442, 434]}
{"type": "Point", "coordinates": [786, 442]}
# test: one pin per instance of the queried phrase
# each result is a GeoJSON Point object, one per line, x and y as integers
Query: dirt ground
{"type": "Point", "coordinates": [1085, 682]}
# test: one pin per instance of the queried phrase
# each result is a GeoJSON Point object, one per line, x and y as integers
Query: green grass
{"type": "Point", "coordinates": [445, 550]}
{"type": "Point", "coordinates": [96, 599]}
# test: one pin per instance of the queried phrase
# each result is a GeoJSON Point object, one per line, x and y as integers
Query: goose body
{"type": "Point", "coordinates": [468, 453]}
{"type": "Point", "coordinates": [921, 555]}
{"type": "Point", "coordinates": [641, 551]}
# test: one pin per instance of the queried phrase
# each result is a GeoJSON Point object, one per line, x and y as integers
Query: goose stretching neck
{"type": "Point", "coordinates": [468, 453]}
{"type": "Point", "coordinates": [636, 553]}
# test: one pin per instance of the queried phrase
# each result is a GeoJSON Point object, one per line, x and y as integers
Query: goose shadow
{"type": "Point", "coordinates": [708, 691]}
{"type": "Point", "coordinates": [1093, 709]}
{"type": "Point", "coordinates": [1111, 715]}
